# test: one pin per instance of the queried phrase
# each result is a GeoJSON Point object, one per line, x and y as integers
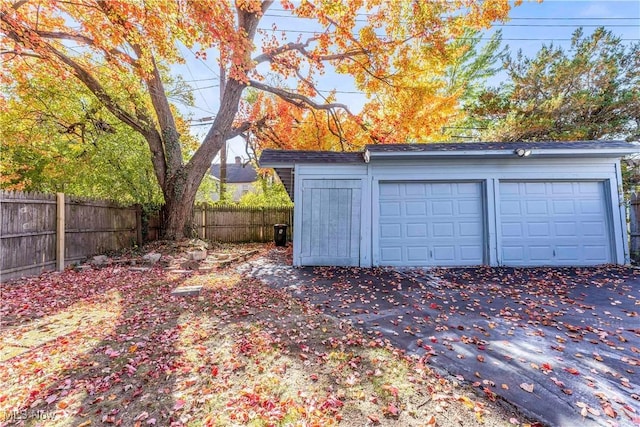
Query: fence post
{"type": "Point", "coordinates": [204, 221]}
{"type": "Point", "coordinates": [60, 231]}
{"type": "Point", "coordinates": [139, 225]}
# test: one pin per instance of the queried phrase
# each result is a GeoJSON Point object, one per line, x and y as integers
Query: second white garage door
{"type": "Point", "coordinates": [554, 223]}
{"type": "Point", "coordinates": [430, 223]}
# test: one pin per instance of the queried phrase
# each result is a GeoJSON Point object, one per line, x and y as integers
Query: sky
{"type": "Point", "coordinates": [531, 25]}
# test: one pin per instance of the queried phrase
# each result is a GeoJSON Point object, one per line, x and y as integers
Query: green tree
{"type": "Point", "coordinates": [468, 76]}
{"type": "Point", "coordinates": [57, 137]}
{"type": "Point", "coordinates": [267, 194]}
{"type": "Point", "coordinates": [589, 92]}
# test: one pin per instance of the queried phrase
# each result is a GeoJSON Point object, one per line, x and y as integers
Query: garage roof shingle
{"type": "Point", "coordinates": [482, 146]}
{"type": "Point", "coordinates": [302, 156]}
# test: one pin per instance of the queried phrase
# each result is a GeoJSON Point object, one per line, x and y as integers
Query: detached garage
{"type": "Point", "coordinates": [457, 204]}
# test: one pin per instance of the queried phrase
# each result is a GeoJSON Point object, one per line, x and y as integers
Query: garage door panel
{"type": "Point", "coordinates": [566, 229]}
{"type": "Point", "coordinates": [391, 209]}
{"type": "Point", "coordinates": [441, 223]}
{"type": "Point", "coordinates": [444, 254]}
{"type": "Point", "coordinates": [469, 188]}
{"type": "Point", "coordinates": [512, 253]}
{"type": "Point", "coordinates": [538, 229]}
{"type": "Point", "coordinates": [567, 253]}
{"type": "Point", "coordinates": [596, 252]}
{"type": "Point", "coordinates": [390, 190]}
{"type": "Point", "coordinates": [470, 253]}
{"type": "Point", "coordinates": [416, 189]}
{"type": "Point", "coordinates": [470, 229]}
{"type": "Point", "coordinates": [509, 207]}
{"type": "Point", "coordinates": [594, 229]}
{"type": "Point", "coordinates": [562, 188]}
{"type": "Point", "coordinates": [391, 254]}
{"type": "Point", "coordinates": [591, 207]}
{"type": "Point", "coordinates": [390, 230]}
{"type": "Point", "coordinates": [469, 207]}
{"type": "Point", "coordinates": [416, 230]}
{"type": "Point", "coordinates": [566, 207]}
{"type": "Point", "coordinates": [511, 229]}
{"type": "Point", "coordinates": [536, 207]}
{"type": "Point", "coordinates": [443, 229]}
{"type": "Point", "coordinates": [443, 189]}
{"type": "Point", "coordinates": [419, 253]}
{"type": "Point", "coordinates": [533, 188]}
{"type": "Point", "coordinates": [553, 223]}
{"type": "Point", "coordinates": [540, 253]}
{"type": "Point", "coordinates": [442, 208]}
{"type": "Point", "coordinates": [416, 208]}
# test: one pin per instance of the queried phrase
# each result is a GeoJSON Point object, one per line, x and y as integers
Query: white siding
{"type": "Point", "coordinates": [486, 173]}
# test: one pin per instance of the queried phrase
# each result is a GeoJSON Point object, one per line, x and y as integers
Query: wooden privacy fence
{"type": "Point", "coordinates": [240, 224]}
{"type": "Point", "coordinates": [40, 232]}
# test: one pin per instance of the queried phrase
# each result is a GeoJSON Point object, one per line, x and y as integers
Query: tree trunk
{"type": "Point", "coordinates": [179, 197]}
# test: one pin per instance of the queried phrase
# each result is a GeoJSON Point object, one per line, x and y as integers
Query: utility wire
{"type": "Point", "coordinates": [507, 25]}
{"type": "Point", "coordinates": [511, 19]}
{"type": "Point", "coordinates": [458, 38]}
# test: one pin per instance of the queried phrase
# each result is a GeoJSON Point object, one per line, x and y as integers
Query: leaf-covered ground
{"type": "Point", "coordinates": [113, 346]}
{"type": "Point", "coordinates": [562, 344]}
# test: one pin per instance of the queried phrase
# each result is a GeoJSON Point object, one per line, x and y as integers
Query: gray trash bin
{"type": "Point", "coordinates": [280, 234]}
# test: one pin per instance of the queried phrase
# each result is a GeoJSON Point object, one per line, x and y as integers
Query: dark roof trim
{"type": "Point", "coordinates": [487, 146]}
{"type": "Point", "coordinates": [280, 158]}
{"type": "Point", "coordinates": [503, 149]}
{"type": "Point", "coordinates": [288, 158]}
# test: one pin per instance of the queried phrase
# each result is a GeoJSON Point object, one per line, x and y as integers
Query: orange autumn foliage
{"type": "Point", "coordinates": [120, 50]}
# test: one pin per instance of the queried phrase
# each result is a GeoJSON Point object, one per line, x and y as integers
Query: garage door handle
{"type": "Point", "coordinates": [431, 254]}
{"type": "Point", "coordinates": [554, 253]}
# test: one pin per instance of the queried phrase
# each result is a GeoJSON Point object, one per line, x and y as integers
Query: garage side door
{"type": "Point", "coordinates": [430, 223]}
{"type": "Point", "coordinates": [554, 223]}
{"type": "Point", "coordinates": [330, 230]}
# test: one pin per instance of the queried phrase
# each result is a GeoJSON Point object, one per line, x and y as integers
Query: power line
{"type": "Point", "coordinates": [559, 18]}
{"type": "Point", "coordinates": [633, 25]}
{"type": "Point", "coordinates": [459, 38]}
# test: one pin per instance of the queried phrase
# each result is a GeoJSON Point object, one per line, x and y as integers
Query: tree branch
{"type": "Point", "coordinates": [16, 53]}
{"type": "Point", "coordinates": [297, 99]}
{"type": "Point", "coordinates": [18, 4]}
{"type": "Point", "coordinates": [85, 40]}
{"type": "Point", "coordinates": [243, 127]}
{"type": "Point", "coordinates": [301, 47]}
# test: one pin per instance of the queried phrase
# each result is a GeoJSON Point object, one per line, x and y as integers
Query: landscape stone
{"type": "Point", "coordinates": [151, 257]}
{"type": "Point", "coordinates": [197, 255]}
{"type": "Point", "coordinates": [99, 260]}
{"type": "Point", "coordinates": [187, 291]}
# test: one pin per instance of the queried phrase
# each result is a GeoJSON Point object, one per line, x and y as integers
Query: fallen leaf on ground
{"type": "Point", "coordinates": [527, 387]}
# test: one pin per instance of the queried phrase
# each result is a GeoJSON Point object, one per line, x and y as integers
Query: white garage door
{"type": "Point", "coordinates": [554, 223]}
{"type": "Point", "coordinates": [430, 223]}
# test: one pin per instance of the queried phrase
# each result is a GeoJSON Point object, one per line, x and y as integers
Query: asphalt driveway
{"type": "Point", "coordinates": [562, 345]}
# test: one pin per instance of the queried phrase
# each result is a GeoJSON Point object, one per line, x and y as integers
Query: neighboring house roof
{"type": "Point", "coordinates": [283, 161]}
{"type": "Point", "coordinates": [236, 173]}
